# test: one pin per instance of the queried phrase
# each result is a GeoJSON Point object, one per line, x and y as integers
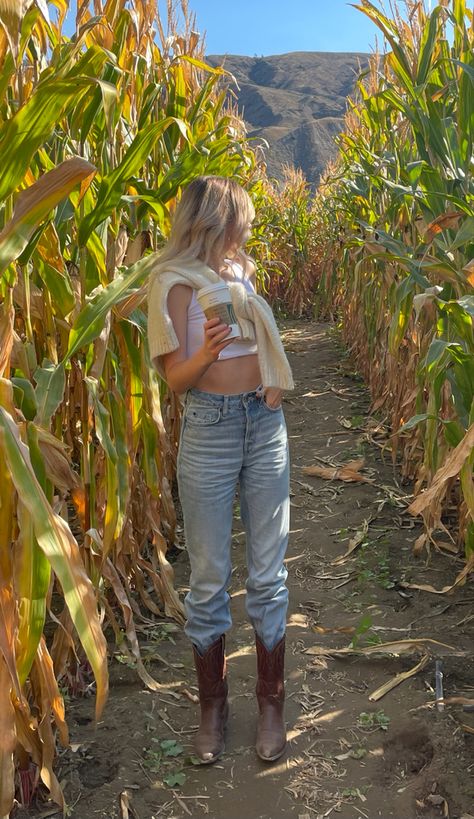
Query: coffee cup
{"type": "Point", "coordinates": [216, 302]}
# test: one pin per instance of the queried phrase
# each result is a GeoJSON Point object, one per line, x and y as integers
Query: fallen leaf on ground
{"type": "Point", "coordinates": [395, 647]}
{"type": "Point", "coordinates": [349, 472]}
{"type": "Point", "coordinates": [338, 630]}
{"type": "Point", "coordinates": [126, 809]}
{"type": "Point", "coordinates": [404, 675]}
{"type": "Point", "coordinates": [468, 568]}
{"type": "Point", "coordinates": [189, 695]}
{"type": "Point", "coordinates": [358, 538]}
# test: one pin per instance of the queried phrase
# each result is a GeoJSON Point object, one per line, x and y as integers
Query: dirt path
{"type": "Point", "coordinates": [347, 756]}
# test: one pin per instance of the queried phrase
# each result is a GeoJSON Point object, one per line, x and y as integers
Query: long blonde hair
{"type": "Point", "coordinates": [214, 213]}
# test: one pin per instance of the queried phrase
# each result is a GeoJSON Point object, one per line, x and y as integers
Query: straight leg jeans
{"type": "Point", "coordinates": [226, 441]}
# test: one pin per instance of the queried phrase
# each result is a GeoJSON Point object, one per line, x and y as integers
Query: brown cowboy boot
{"type": "Point", "coordinates": [212, 681]}
{"type": "Point", "coordinates": [271, 729]}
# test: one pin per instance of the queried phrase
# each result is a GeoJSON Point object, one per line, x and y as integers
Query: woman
{"type": "Point", "coordinates": [233, 434]}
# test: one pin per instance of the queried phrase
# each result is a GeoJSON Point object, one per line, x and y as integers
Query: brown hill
{"type": "Point", "coordinates": [296, 102]}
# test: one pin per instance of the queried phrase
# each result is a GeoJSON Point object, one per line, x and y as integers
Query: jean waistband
{"type": "Point", "coordinates": [223, 400]}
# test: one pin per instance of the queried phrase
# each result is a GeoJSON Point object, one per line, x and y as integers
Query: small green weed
{"type": "Point", "coordinates": [159, 761]}
{"type": "Point", "coordinates": [372, 564]}
{"type": "Point", "coordinates": [356, 793]}
{"type": "Point", "coordinates": [367, 721]}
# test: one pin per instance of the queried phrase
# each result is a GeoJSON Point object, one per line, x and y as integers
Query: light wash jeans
{"type": "Point", "coordinates": [228, 440]}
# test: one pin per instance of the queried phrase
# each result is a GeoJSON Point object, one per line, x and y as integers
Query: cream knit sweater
{"type": "Point", "coordinates": [254, 315]}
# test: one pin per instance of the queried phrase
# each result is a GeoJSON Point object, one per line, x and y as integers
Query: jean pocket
{"type": "Point", "coordinates": [202, 415]}
{"type": "Point", "coordinates": [271, 409]}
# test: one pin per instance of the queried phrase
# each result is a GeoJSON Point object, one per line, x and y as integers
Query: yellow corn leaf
{"type": "Point", "coordinates": [34, 203]}
{"type": "Point", "coordinates": [49, 248]}
{"type": "Point", "coordinates": [7, 742]}
{"type": "Point", "coordinates": [11, 16]}
{"type": "Point", "coordinates": [60, 547]}
{"type": "Point", "coordinates": [451, 467]}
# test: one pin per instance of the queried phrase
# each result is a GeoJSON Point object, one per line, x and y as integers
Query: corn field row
{"type": "Point", "coordinates": [397, 211]}
{"type": "Point", "coordinates": [98, 133]}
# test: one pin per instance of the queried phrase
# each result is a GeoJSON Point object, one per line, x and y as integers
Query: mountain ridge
{"type": "Point", "coordinates": [296, 102]}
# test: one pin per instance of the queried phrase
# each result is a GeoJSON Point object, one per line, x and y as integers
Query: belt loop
{"type": "Point", "coordinates": [225, 405]}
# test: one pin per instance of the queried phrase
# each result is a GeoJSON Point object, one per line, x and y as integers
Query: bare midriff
{"type": "Point", "coordinates": [231, 376]}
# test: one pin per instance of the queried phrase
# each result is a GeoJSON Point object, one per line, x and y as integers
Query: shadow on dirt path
{"type": "Point", "coordinates": [347, 756]}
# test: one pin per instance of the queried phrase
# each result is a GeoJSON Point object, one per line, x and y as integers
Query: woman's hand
{"type": "Point", "coordinates": [272, 397]}
{"type": "Point", "coordinates": [215, 340]}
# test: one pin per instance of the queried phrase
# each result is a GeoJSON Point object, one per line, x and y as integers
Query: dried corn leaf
{"type": "Point", "coordinates": [110, 572]}
{"type": "Point", "coordinates": [358, 538]}
{"type": "Point", "coordinates": [395, 647]}
{"type": "Point", "coordinates": [127, 810]}
{"type": "Point", "coordinates": [468, 568]}
{"type": "Point", "coordinates": [457, 701]}
{"type": "Point", "coordinates": [404, 675]}
{"type": "Point", "coordinates": [350, 472]}
{"type": "Point", "coordinates": [419, 544]}
{"type": "Point", "coordinates": [451, 467]}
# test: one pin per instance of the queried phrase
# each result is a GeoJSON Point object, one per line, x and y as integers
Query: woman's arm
{"type": "Point", "coordinates": [182, 372]}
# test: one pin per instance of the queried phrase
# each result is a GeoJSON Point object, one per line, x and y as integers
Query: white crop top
{"type": "Point", "coordinates": [196, 319]}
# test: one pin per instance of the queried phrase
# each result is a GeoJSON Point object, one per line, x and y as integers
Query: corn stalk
{"type": "Point", "coordinates": [98, 134]}
{"type": "Point", "coordinates": [398, 262]}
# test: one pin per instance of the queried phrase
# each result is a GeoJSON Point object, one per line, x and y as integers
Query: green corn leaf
{"type": "Point", "coordinates": [25, 397]}
{"type": "Point", "coordinates": [427, 46]}
{"type": "Point", "coordinates": [32, 573]}
{"type": "Point", "coordinates": [50, 386]}
{"type": "Point", "coordinates": [32, 125]}
{"type": "Point", "coordinates": [90, 320]}
{"type": "Point", "coordinates": [111, 188]}
{"type": "Point", "coordinates": [56, 541]}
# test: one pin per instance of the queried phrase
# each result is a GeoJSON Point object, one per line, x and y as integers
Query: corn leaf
{"type": "Point", "coordinates": [59, 546]}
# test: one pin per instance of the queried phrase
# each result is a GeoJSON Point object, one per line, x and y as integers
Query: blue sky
{"type": "Point", "coordinates": [264, 27]}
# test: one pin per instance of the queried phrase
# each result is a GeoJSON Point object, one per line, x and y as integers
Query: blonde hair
{"type": "Point", "coordinates": [213, 214]}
